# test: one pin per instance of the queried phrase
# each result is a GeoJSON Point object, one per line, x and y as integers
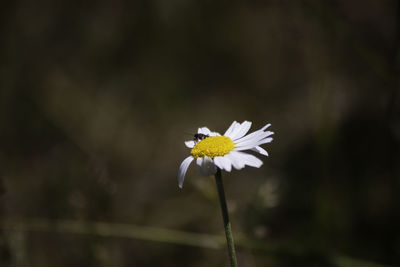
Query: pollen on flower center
{"type": "Point", "coordinates": [212, 147]}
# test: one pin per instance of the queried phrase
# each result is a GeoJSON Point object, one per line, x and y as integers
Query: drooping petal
{"type": "Point", "coordinates": [227, 164]}
{"type": "Point", "coordinates": [205, 166]}
{"type": "Point", "coordinates": [218, 163]}
{"type": "Point", "coordinates": [223, 163]}
{"type": "Point", "coordinates": [189, 144]}
{"type": "Point", "coordinates": [241, 131]}
{"type": "Point", "coordinates": [250, 160]}
{"type": "Point", "coordinates": [182, 170]}
{"type": "Point", "coordinates": [236, 161]}
{"type": "Point", "coordinates": [199, 162]}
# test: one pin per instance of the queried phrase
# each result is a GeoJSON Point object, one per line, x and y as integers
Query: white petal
{"type": "Point", "coordinates": [223, 163]}
{"type": "Point", "coordinates": [234, 129]}
{"type": "Point", "coordinates": [204, 130]}
{"type": "Point", "coordinates": [260, 150]}
{"type": "Point", "coordinates": [199, 163]}
{"type": "Point", "coordinates": [189, 144]}
{"type": "Point", "coordinates": [249, 144]}
{"type": "Point", "coordinates": [214, 134]}
{"type": "Point", "coordinates": [235, 160]}
{"type": "Point", "coordinates": [268, 133]}
{"type": "Point", "coordinates": [241, 131]}
{"type": "Point", "coordinates": [228, 132]}
{"type": "Point", "coordinates": [250, 160]}
{"type": "Point", "coordinates": [182, 170]}
{"type": "Point", "coordinates": [218, 163]}
{"type": "Point", "coordinates": [266, 126]}
{"type": "Point", "coordinates": [206, 166]}
{"type": "Point", "coordinates": [246, 143]}
{"type": "Point", "coordinates": [266, 140]}
{"type": "Point", "coordinates": [227, 164]}
{"type": "Point", "coordinates": [257, 135]}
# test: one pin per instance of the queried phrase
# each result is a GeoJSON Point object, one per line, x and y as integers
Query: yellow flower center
{"type": "Point", "coordinates": [212, 147]}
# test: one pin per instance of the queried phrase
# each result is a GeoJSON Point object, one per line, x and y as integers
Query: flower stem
{"type": "Point", "coordinates": [225, 216]}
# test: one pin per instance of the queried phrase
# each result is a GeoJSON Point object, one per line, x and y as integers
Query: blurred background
{"type": "Point", "coordinates": [97, 98]}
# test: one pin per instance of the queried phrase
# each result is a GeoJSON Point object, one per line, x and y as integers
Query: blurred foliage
{"type": "Point", "coordinates": [96, 99]}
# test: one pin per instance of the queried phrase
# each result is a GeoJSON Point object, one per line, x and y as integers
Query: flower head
{"type": "Point", "coordinates": [213, 151]}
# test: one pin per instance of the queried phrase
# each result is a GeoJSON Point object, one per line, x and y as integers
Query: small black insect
{"type": "Point", "coordinates": [199, 137]}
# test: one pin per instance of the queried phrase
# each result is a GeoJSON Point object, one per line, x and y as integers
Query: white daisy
{"type": "Point", "coordinates": [225, 151]}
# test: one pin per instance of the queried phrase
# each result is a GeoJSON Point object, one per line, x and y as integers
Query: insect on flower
{"type": "Point", "coordinates": [199, 136]}
{"type": "Point", "coordinates": [212, 151]}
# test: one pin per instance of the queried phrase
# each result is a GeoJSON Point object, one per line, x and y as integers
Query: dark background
{"type": "Point", "coordinates": [96, 99]}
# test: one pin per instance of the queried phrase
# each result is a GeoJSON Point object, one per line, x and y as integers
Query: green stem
{"type": "Point", "coordinates": [225, 216]}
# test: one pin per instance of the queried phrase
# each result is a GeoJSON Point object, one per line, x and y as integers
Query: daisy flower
{"type": "Point", "coordinates": [212, 151]}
